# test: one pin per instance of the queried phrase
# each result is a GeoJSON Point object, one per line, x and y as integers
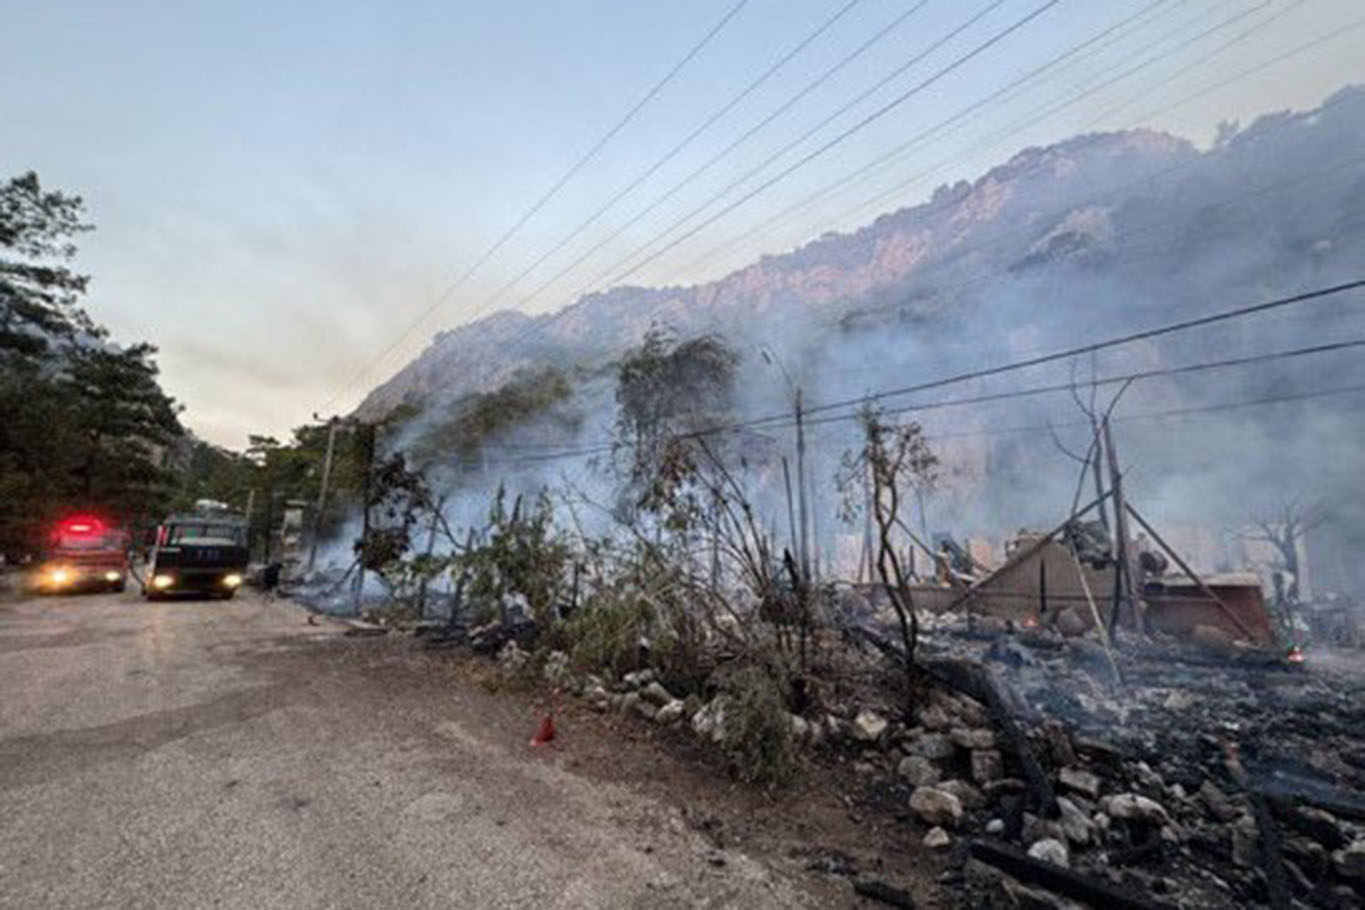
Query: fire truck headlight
{"type": "Point", "coordinates": [112, 576]}
{"type": "Point", "coordinates": [59, 576]}
{"type": "Point", "coordinates": [162, 582]}
{"type": "Point", "coordinates": [232, 581]}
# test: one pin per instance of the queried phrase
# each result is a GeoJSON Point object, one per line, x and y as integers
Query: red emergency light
{"type": "Point", "coordinates": [81, 524]}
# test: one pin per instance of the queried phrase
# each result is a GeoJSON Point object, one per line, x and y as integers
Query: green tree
{"type": "Point", "coordinates": [86, 424]}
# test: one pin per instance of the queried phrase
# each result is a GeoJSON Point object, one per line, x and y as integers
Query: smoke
{"type": "Point", "coordinates": [1083, 241]}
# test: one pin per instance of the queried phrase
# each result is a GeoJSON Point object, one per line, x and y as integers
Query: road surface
{"type": "Point", "coordinates": [205, 754]}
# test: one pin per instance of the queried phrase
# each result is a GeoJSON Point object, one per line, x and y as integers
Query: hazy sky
{"type": "Point", "coordinates": [280, 188]}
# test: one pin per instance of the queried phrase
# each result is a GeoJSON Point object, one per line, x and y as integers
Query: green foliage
{"type": "Point", "coordinates": [605, 633]}
{"type": "Point", "coordinates": [520, 557]}
{"type": "Point", "coordinates": [665, 392]}
{"type": "Point", "coordinates": [38, 292]}
{"type": "Point", "coordinates": [758, 741]}
{"type": "Point", "coordinates": [477, 418]}
{"type": "Point", "coordinates": [87, 425]}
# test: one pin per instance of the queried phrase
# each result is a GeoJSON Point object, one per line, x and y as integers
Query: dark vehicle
{"type": "Point", "coordinates": [198, 553]}
{"type": "Point", "coordinates": [84, 554]}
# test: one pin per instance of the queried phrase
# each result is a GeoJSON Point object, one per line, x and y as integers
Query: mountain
{"type": "Point", "coordinates": [1089, 238]}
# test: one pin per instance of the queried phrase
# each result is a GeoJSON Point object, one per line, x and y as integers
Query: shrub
{"type": "Point", "coordinates": [758, 741]}
{"type": "Point", "coordinates": [604, 634]}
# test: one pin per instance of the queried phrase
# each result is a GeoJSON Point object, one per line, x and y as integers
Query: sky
{"type": "Point", "coordinates": [291, 198]}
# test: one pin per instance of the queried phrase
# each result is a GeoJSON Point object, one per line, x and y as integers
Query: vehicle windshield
{"type": "Point", "coordinates": [66, 541]}
{"type": "Point", "coordinates": [205, 533]}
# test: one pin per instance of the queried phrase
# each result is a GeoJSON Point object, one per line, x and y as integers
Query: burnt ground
{"type": "Point", "coordinates": [197, 754]}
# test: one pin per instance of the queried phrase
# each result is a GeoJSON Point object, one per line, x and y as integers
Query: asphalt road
{"type": "Point", "coordinates": [207, 754]}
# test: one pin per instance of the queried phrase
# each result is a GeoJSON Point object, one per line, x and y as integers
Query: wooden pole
{"type": "Point", "coordinates": [801, 490]}
{"type": "Point", "coordinates": [1123, 546]}
{"type": "Point", "coordinates": [1095, 614]}
{"type": "Point", "coordinates": [1184, 567]}
{"type": "Point", "coordinates": [322, 492]}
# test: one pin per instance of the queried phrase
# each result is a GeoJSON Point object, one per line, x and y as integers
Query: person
{"type": "Point", "coordinates": [270, 578]}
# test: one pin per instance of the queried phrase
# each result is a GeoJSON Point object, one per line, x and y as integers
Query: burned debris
{"type": "Point", "coordinates": [1084, 716]}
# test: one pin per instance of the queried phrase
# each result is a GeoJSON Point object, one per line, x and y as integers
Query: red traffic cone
{"type": "Point", "coordinates": [545, 733]}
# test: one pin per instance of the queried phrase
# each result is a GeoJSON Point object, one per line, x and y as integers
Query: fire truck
{"type": "Point", "coordinates": [201, 552]}
{"type": "Point", "coordinates": [84, 553]}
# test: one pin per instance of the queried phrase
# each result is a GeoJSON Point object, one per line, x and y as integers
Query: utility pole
{"type": "Point", "coordinates": [801, 506]}
{"type": "Point", "coordinates": [358, 595]}
{"type": "Point", "coordinates": [250, 507]}
{"type": "Point", "coordinates": [322, 492]}
{"type": "Point", "coordinates": [1123, 546]}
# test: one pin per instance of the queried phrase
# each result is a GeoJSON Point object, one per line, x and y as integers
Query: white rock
{"type": "Point", "coordinates": [1135, 807]}
{"type": "Point", "coordinates": [937, 839]}
{"type": "Point", "coordinates": [638, 678]}
{"type": "Point", "coordinates": [709, 722]}
{"type": "Point", "coordinates": [972, 738]}
{"type": "Point", "coordinates": [671, 712]}
{"type": "Point", "coordinates": [936, 807]}
{"type": "Point", "coordinates": [656, 694]}
{"type": "Point", "coordinates": [868, 726]}
{"type": "Point", "coordinates": [918, 771]}
{"type": "Point", "coordinates": [800, 727]}
{"type": "Point", "coordinates": [1077, 826]}
{"type": "Point", "coordinates": [1051, 850]}
{"type": "Point", "coordinates": [1080, 781]}
{"type": "Point", "coordinates": [969, 796]}
{"type": "Point", "coordinates": [995, 826]}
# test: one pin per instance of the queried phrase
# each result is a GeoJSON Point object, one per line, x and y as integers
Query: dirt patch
{"type": "Point", "coordinates": [831, 825]}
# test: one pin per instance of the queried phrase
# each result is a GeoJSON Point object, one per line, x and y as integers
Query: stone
{"type": "Point", "coordinates": [1076, 825]}
{"type": "Point", "coordinates": [869, 726]}
{"type": "Point", "coordinates": [671, 712]}
{"type": "Point", "coordinates": [1179, 700]}
{"type": "Point", "coordinates": [918, 771]}
{"type": "Point", "coordinates": [656, 694]}
{"type": "Point", "coordinates": [1349, 861]}
{"type": "Point", "coordinates": [645, 709]}
{"type": "Point", "coordinates": [972, 738]}
{"type": "Point", "coordinates": [1080, 780]}
{"type": "Point", "coordinates": [1006, 786]}
{"type": "Point", "coordinates": [1051, 850]}
{"type": "Point", "coordinates": [970, 797]}
{"type": "Point", "coordinates": [1032, 828]}
{"type": "Point", "coordinates": [933, 746]}
{"type": "Point", "coordinates": [1243, 837]}
{"type": "Point", "coordinates": [935, 719]}
{"type": "Point", "coordinates": [629, 701]}
{"type": "Point", "coordinates": [936, 807]}
{"type": "Point", "coordinates": [937, 839]}
{"type": "Point", "coordinates": [987, 765]}
{"type": "Point", "coordinates": [995, 826]}
{"type": "Point", "coordinates": [709, 722]}
{"type": "Point", "coordinates": [1136, 807]}
{"type": "Point", "coordinates": [1070, 623]}
{"type": "Point", "coordinates": [1216, 802]}
{"type": "Point", "coordinates": [638, 678]}
{"type": "Point", "coordinates": [800, 727]}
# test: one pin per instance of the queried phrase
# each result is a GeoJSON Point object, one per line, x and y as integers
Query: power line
{"type": "Point", "coordinates": [778, 420]}
{"type": "Point", "coordinates": [1068, 353]}
{"type": "Point", "coordinates": [1034, 391]}
{"type": "Point", "coordinates": [548, 194]}
{"type": "Point", "coordinates": [533, 329]}
{"type": "Point", "coordinates": [842, 136]}
{"type": "Point", "coordinates": [687, 140]}
{"type": "Point", "coordinates": [781, 109]}
{"type": "Point", "coordinates": [867, 120]}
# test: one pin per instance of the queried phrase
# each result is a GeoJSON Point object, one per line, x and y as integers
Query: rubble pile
{"type": "Point", "coordinates": [1196, 783]}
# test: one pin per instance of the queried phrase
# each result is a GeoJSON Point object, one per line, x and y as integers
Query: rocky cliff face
{"type": "Point", "coordinates": [1082, 240]}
